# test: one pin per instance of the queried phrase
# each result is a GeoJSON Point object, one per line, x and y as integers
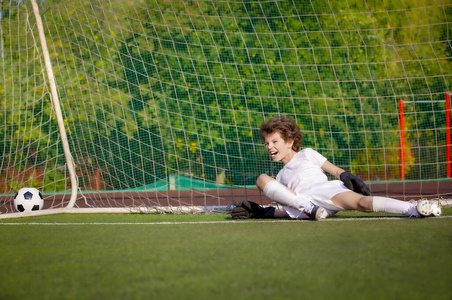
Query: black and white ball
{"type": "Point", "coordinates": [28, 199]}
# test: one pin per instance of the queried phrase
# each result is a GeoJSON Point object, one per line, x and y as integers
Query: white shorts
{"type": "Point", "coordinates": [320, 194]}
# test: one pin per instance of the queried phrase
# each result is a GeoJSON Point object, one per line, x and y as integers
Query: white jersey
{"type": "Point", "coordinates": [303, 170]}
{"type": "Point", "coordinates": [303, 174]}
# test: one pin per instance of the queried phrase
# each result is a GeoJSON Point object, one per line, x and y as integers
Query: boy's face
{"type": "Point", "coordinates": [279, 149]}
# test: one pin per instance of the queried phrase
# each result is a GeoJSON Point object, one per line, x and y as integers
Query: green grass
{"type": "Point", "coordinates": [182, 259]}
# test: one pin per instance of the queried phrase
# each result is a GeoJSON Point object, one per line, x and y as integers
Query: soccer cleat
{"type": "Point", "coordinates": [316, 213]}
{"type": "Point", "coordinates": [436, 210]}
{"type": "Point", "coordinates": [424, 208]}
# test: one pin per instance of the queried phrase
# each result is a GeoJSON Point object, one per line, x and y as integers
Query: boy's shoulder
{"type": "Point", "coordinates": [307, 150]}
{"type": "Point", "coordinates": [311, 154]}
{"type": "Point", "coordinates": [305, 153]}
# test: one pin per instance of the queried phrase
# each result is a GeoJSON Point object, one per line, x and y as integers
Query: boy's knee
{"type": "Point", "coordinates": [262, 180]}
{"type": "Point", "coordinates": [365, 204]}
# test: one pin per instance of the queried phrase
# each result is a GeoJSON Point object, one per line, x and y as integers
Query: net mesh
{"type": "Point", "coordinates": [162, 100]}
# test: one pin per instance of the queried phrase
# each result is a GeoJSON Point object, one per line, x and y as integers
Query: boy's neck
{"type": "Point", "coordinates": [288, 157]}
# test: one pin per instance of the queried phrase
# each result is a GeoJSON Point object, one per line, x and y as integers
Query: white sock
{"type": "Point", "coordinates": [393, 206]}
{"type": "Point", "coordinates": [279, 193]}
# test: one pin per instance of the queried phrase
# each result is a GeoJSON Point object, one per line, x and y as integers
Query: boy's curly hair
{"type": "Point", "coordinates": [287, 128]}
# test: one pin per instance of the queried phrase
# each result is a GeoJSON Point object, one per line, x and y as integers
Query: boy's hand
{"type": "Point", "coordinates": [240, 212]}
{"type": "Point", "coordinates": [249, 209]}
{"type": "Point", "coordinates": [354, 183]}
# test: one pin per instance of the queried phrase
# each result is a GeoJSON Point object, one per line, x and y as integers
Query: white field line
{"type": "Point", "coordinates": [145, 210]}
{"type": "Point", "coordinates": [215, 222]}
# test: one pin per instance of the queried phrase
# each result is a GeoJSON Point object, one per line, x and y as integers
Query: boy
{"type": "Point", "coordinates": [303, 189]}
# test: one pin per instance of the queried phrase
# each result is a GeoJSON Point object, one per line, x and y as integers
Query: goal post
{"type": "Point", "coordinates": [156, 105]}
{"type": "Point", "coordinates": [56, 105]}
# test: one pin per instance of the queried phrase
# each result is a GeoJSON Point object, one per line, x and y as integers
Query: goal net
{"type": "Point", "coordinates": [161, 100]}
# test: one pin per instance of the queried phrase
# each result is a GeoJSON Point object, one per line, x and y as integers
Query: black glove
{"type": "Point", "coordinates": [249, 209]}
{"type": "Point", "coordinates": [354, 183]}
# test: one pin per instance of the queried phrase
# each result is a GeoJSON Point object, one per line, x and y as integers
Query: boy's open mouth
{"type": "Point", "coordinates": [273, 153]}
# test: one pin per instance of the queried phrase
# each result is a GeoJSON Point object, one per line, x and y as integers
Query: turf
{"type": "Point", "coordinates": [113, 256]}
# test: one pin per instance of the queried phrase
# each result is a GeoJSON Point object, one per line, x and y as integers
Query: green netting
{"type": "Point", "coordinates": [154, 88]}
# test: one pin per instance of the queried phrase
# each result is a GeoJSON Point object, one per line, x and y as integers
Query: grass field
{"type": "Point", "coordinates": [136, 256]}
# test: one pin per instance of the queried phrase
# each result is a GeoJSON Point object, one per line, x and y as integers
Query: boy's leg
{"type": "Point", "coordinates": [354, 201]}
{"type": "Point", "coordinates": [284, 196]}
{"type": "Point", "coordinates": [423, 208]}
{"type": "Point", "coordinates": [393, 206]}
{"type": "Point", "coordinates": [280, 194]}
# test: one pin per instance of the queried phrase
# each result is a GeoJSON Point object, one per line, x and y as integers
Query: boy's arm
{"type": "Point", "coordinates": [332, 169]}
{"type": "Point", "coordinates": [351, 181]}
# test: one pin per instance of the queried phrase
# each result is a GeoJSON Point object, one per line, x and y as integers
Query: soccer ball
{"type": "Point", "coordinates": [28, 199]}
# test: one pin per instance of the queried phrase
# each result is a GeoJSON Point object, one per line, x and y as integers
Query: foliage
{"type": "Point", "coordinates": [158, 87]}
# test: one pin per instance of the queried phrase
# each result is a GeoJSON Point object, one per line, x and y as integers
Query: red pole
{"type": "Point", "coordinates": [97, 187]}
{"type": "Point", "coordinates": [448, 133]}
{"type": "Point", "coordinates": [402, 142]}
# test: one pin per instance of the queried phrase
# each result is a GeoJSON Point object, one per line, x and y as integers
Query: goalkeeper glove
{"type": "Point", "coordinates": [354, 183]}
{"type": "Point", "coordinates": [249, 209]}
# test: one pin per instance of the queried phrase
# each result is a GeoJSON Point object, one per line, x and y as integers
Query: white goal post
{"type": "Point", "coordinates": [56, 105]}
